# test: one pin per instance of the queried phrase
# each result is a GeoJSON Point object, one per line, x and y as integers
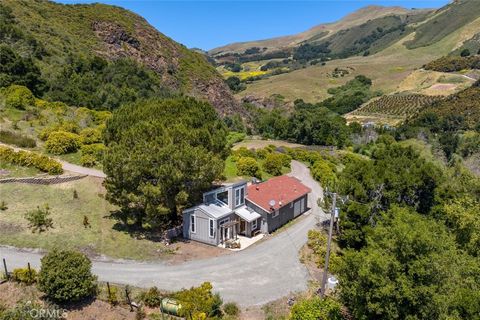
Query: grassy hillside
{"type": "Point", "coordinates": [387, 68]}
{"type": "Point", "coordinates": [446, 20]}
{"type": "Point", "coordinates": [317, 32]}
{"type": "Point", "coordinates": [67, 37]}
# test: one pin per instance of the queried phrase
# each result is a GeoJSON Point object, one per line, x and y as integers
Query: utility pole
{"type": "Point", "coordinates": [329, 243]}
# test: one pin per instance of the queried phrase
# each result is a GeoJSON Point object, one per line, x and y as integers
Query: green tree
{"type": "Point", "coordinates": [15, 69]}
{"type": "Point", "coordinates": [410, 269]}
{"type": "Point", "coordinates": [161, 156]}
{"type": "Point", "coordinates": [465, 53]}
{"type": "Point", "coordinates": [65, 276]}
{"type": "Point", "coordinates": [248, 166]}
{"type": "Point", "coordinates": [316, 309]}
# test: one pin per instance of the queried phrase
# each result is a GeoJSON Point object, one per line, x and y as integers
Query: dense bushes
{"type": "Point", "coordinates": [62, 142]}
{"type": "Point", "coordinates": [454, 63]}
{"type": "Point", "coordinates": [65, 276]}
{"type": "Point", "coordinates": [316, 309]}
{"type": "Point", "coordinates": [16, 139]}
{"type": "Point", "coordinates": [308, 124]}
{"type": "Point", "coordinates": [317, 242]}
{"type": "Point", "coordinates": [18, 97]}
{"type": "Point", "coordinates": [350, 96]}
{"type": "Point", "coordinates": [152, 298]}
{"type": "Point", "coordinates": [31, 159]}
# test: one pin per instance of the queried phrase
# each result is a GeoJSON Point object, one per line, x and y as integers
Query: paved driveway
{"type": "Point", "coordinates": [256, 275]}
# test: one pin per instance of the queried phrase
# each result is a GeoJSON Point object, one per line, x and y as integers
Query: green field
{"type": "Point", "coordinates": [106, 236]}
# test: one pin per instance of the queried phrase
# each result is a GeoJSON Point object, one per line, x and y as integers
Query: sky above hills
{"type": "Point", "coordinates": [210, 24]}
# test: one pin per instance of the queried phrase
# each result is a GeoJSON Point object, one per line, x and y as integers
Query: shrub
{"type": "Point", "coordinates": [274, 162]}
{"type": "Point", "coordinates": [30, 159]}
{"type": "Point", "coordinates": [3, 206]}
{"type": "Point", "coordinates": [325, 172]}
{"type": "Point", "coordinates": [200, 302]}
{"type": "Point", "coordinates": [67, 126]}
{"type": "Point", "coordinates": [316, 309]}
{"type": "Point", "coordinates": [19, 140]}
{"type": "Point", "coordinates": [19, 97]}
{"type": "Point", "coordinates": [38, 219]}
{"type": "Point", "coordinates": [231, 309]}
{"type": "Point", "coordinates": [112, 295]}
{"type": "Point", "coordinates": [248, 166]}
{"type": "Point", "coordinates": [25, 275]}
{"type": "Point", "coordinates": [95, 150]}
{"type": "Point", "coordinates": [62, 142]}
{"type": "Point", "coordinates": [65, 276]}
{"type": "Point", "coordinates": [317, 241]}
{"type": "Point", "coordinates": [243, 152]}
{"type": "Point", "coordinates": [88, 160]}
{"type": "Point", "coordinates": [91, 135]}
{"type": "Point", "coordinates": [152, 298]}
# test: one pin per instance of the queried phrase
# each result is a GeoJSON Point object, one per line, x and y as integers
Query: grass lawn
{"type": "Point", "coordinates": [104, 237]}
{"type": "Point", "coordinates": [10, 171]}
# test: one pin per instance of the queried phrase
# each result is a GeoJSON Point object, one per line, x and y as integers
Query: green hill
{"type": "Point", "coordinates": [99, 55]}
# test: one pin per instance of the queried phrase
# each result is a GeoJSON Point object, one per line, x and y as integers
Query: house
{"type": "Point", "coordinates": [242, 209]}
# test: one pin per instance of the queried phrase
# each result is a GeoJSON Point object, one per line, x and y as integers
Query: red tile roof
{"type": "Point", "coordinates": [282, 189]}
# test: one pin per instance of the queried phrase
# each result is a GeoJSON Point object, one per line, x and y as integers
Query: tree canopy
{"type": "Point", "coordinates": [161, 156]}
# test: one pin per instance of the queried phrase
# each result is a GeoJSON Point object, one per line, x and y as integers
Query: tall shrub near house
{"type": "Point", "coordinates": [161, 156]}
{"type": "Point", "coordinates": [65, 276]}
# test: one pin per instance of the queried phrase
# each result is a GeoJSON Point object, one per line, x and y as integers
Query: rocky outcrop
{"type": "Point", "coordinates": [179, 68]}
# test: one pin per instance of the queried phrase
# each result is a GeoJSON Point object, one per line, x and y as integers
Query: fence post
{"type": "Point", "coordinates": [108, 290]}
{"type": "Point", "coordinates": [127, 294]}
{"type": "Point", "coordinates": [5, 267]}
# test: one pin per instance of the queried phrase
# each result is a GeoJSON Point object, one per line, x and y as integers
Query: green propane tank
{"type": "Point", "coordinates": [171, 306]}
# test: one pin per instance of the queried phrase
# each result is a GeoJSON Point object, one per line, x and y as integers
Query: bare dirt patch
{"type": "Point", "coordinates": [192, 250]}
{"type": "Point", "coordinates": [259, 144]}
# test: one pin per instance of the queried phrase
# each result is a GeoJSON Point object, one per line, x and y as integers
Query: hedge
{"type": "Point", "coordinates": [31, 159]}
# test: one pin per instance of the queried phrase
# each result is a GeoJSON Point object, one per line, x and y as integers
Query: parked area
{"type": "Point", "coordinates": [233, 212]}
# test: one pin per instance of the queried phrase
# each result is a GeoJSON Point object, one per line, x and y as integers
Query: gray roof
{"type": "Point", "coordinates": [247, 214]}
{"type": "Point", "coordinates": [216, 209]}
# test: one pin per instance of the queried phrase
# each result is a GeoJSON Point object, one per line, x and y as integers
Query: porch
{"type": "Point", "coordinates": [241, 242]}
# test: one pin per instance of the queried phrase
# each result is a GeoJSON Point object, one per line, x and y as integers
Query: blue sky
{"type": "Point", "coordinates": [209, 24]}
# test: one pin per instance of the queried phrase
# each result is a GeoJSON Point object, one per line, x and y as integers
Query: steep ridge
{"type": "Point", "coordinates": [321, 31]}
{"type": "Point", "coordinates": [113, 33]}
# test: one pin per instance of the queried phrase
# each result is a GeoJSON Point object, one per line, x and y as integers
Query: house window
{"type": "Point", "coordinates": [223, 197]}
{"type": "Point", "coordinates": [222, 222]}
{"type": "Point", "coordinates": [211, 229]}
{"type": "Point", "coordinates": [254, 225]}
{"type": "Point", "coordinates": [193, 220]}
{"type": "Point", "coordinates": [239, 196]}
{"type": "Point", "coordinates": [275, 214]}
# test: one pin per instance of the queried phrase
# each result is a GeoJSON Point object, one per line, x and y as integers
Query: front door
{"type": "Point", "coordinates": [243, 227]}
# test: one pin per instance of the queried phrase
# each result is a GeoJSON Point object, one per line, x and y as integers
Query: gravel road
{"type": "Point", "coordinates": [261, 273]}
